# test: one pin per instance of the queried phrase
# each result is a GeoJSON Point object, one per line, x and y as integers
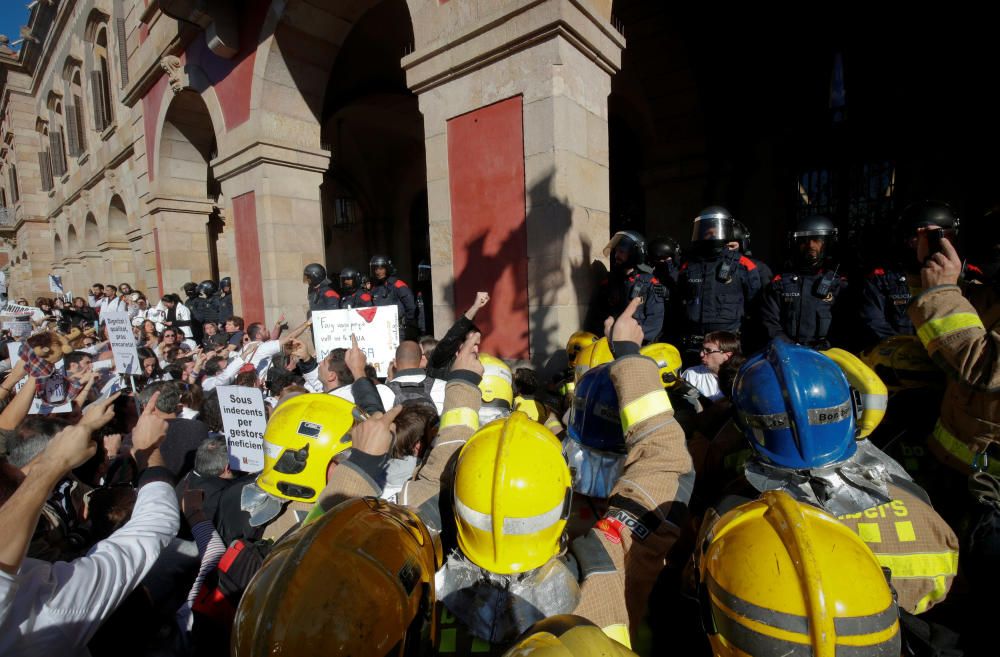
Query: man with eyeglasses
{"type": "Point", "coordinates": [717, 348]}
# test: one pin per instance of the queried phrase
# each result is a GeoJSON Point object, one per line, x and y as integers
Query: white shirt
{"type": "Point", "coordinates": [388, 396]}
{"type": "Point", "coordinates": [55, 608]}
{"type": "Point", "coordinates": [260, 354]}
{"type": "Point", "coordinates": [113, 305]}
{"type": "Point", "coordinates": [706, 381]}
{"type": "Point", "coordinates": [437, 390]}
{"type": "Point", "coordinates": [225, 377]}
{"type": "Point", "coordinates": [183, 314]}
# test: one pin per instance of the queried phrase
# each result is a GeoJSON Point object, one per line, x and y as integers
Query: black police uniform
{"type": "Point", "coordinates": [323, 296]}
{"type": "Point", "coordinates": [714, 292]}
{"type": "Point", "coordinates": [800, 306]}
{"type": "Point", "coordinates": [884, 298]}
{"type": "Point", "coordinates": [393, 291]}
{"type": "Point", "coordinates": [639, 282]}
{"type": "Point", "coordinates": [225, 305]}
{"type": "Point", "coordinates": [356, 299]}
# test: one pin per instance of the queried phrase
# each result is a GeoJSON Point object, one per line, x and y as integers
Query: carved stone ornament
{"type": "Point", "coordinates": [111, 176]}
{"type": "Point", "coordinates": [175, 73]}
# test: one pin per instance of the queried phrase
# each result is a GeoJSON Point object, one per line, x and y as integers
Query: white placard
{"type": "Point", "coordinates": [38, 405]}
{"type": "Point", "coordinates": [376, 329]}
{"type": "Point", "coordinates": [14, 309]}
{"type": "Point", "coordinates": [244, 421]}
{"type": "Point", "coordinates": [122, 342]}
{"type": "Point", "coordinates": [19, 327]}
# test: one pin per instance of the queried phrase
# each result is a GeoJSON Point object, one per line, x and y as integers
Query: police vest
{"type": "Point", "coordinates": [711, 292]}
{"type": "Point", "coordinates": [896, 290]}
{"type": "Point", "coordinates": [806, 304]}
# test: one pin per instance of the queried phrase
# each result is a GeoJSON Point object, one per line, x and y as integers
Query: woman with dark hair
{"type": "Point", "coordinates": [80, 312]}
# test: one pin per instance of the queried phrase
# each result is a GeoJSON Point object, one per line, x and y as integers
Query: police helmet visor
{"type": "Point", "coordinates": [713, 229]}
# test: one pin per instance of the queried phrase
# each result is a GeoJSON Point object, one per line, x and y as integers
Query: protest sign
{"type": "Point", "coordinates": [19, 327]}
{"type": "Point", "coordinates": [376, 329]}
{"type": "Point", "coordinates": [54, 387]}
{"type": "Point", "coordinates": [15, 309]}
{"type": "Point", "coordinates": [244, 421]}
{"type": "Point", "coordinates": [55, 284]}
{"type": "Point", "coordinates": [122, 342]}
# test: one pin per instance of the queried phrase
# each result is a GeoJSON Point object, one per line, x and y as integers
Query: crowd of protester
{"type": "Point", "coordinates": [685, 479]}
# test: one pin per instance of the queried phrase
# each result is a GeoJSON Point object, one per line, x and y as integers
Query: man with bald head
{"type": "Point", "coordinates": [410, 382]}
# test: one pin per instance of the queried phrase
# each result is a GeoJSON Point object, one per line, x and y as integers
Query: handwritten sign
{"type": "Point", "coordinates": [376, 329]}
{"type": "Point", "coordinates": [122, 342]}
{"type": "Point", "coordinates": [244, 421]}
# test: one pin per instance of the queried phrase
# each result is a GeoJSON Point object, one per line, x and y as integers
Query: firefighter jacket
{"type": "Point", "coordinates": [962, 335]}
{"type": "Point", "coordinates": [620, 558]}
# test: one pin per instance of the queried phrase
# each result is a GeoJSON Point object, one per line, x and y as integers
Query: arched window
{"type": "Point", "coordinates": [15, 192]}
{"type": "Point", "coordinates": [100, 70]}
{"type": "Point", "coordinates": [75, 133]}
{"type": "Point", "coordinates": [57, 142]}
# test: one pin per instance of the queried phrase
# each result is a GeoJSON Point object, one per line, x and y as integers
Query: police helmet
{"type": "Point", "coordinates": [315, 273]}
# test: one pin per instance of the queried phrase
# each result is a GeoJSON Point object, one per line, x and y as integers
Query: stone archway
{"type": "Point", "coordinates": [116, 249]}
{"type": "Point", "coordinates": [372, 122]}
{"type": "Point", "coordinates": [185, 191]}
{"type": "Point", "coordinates": [93, 263]}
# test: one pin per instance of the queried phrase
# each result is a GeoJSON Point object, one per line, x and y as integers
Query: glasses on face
{"type": "Point", "coordinates": [168, 335]}
{"type": "Point", "coordinates": [705, 351]}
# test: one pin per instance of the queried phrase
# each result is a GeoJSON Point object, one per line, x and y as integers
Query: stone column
{"type": "Point", "coordinates": [274, 216]}
{"type": "Point", "coordinates": [180, 243]}
{"type": "Point", "coordinates": [558, 58]}
{"type": "Point", "coordinates": [34, 237]}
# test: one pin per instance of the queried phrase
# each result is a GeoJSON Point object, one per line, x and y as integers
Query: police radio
{"type": "Point", "coordinates": [826, 283]}
{"type": "Point", "coordinates": [725, 272]}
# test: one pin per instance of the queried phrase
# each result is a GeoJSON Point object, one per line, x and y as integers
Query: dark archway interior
{"type": "Point", "coordinates": [375, 191]}
{"type": "Point", "coordinates": [754, 117]}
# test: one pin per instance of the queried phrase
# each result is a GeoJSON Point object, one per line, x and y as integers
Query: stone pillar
{"type": "Point", "coordinates": [94, 268]}
{"type": "Point", "coordinates": [35, 237]}
{"type": "Point", "coordinates": [274, 216]}
{"type": "Point", "coordinates": [118, 263]}
{"type": "Point", "coordinates": [557, 59]}
{"type": "Point", "coordinates": [180, 241]}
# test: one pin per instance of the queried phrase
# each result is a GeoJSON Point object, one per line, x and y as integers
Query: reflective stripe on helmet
{"type": "Point", "coordinates": [649, 405]}
{"type": "Point", "coordinates": [512, 526]}
{"type": "Point", "coordinates": [830, 415]}
{"type": "Point", "coordinates": [460, 417]}
{"type": "Point", "coordinates": [498, 371]}
{"type": "Point", "coordinates": [936, 328]}
{"type": "Point", "coordinates": [875, 402]}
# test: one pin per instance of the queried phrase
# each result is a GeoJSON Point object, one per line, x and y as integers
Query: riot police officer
{"type": "Point", "coordinates": [665, 259]}
{"type": "Point", "coordinates": [800, 303]}
{"type": "Point", "coordinates": [630, 278]}
{"type": "Point", "coordinates": [388, 290]}
{"type": "Point", "coordinates": [351, 295]}
{"type": "Point", "coordinates": [190, 293]}
{"type": "Point", "coordinates": [210, 306]}
{"type": "Point", "coordinates": [888, 290]}
{"type": "Point", "coordinates": [716, 285]}
{"type": "Point", "coordinates": [226, 298]}
{"type": "Point", "coordinates": [741, 243]}
{"type": "Point", "coordinates": [322, 296]}
{"type": "Point", "coordinates": [194, 304]}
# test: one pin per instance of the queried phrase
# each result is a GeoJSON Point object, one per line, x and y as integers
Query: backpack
{"type": "Point", "coordinates": [413, 393]}
{"type": "Point", "coordinates": [222, 589]}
